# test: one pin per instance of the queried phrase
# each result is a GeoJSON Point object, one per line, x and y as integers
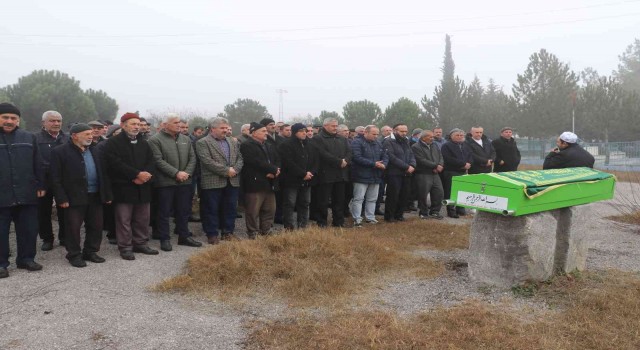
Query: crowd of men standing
{"type": "Point", "coordinates": [122, 179]}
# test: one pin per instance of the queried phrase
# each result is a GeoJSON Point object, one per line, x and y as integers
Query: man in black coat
{"type": "Point", "coordinates": [402, 165]}
{"type": "Point", "coordinates": [334, 156]}
{"type": "Point", "coordinates": [21, 184]}
{"type": "Point", "coordinates": [80, 186]}
{"type": "Point", "coordinates": [481, 150]}
{"type": "Point", "coordinates": [568, 154]}
{"type": "Point", "coordinates": [299, 167]}
{"type": "Point", "coordinates": [259, 180]}
{"type": "Point", "coordinates": [130, 165]}
{"type": "Point", "coordinates": [457, 161]}
{"type": "Point", "coordinates": [507, 152]}
{"type": "Point", "coordinates": [429, 165]}
{"type": "Point", "coordinates": [50, 137]}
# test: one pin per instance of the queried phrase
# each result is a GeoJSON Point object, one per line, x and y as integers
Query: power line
{"type": "Point", "coordinates": [360, 36]}
{"type": "Point", "coordinates": [317, 28]}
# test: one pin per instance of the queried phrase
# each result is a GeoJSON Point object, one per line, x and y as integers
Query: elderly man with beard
{"type": "Point", "coordinates": [130, 164]}
{"type": "Point", "coordinates": [259, 178]}
{"type": "Point", "coordinates": [334, 155]}
{"type": "Point", "coordinates": [457, 161]}
{"type": "Point", "coordinates": [299, 166]}
{"type": "Point", "coordinates": [48, 138]}
{"type": "Point", "coordinates": [22, 183]}
{"type": "Point", "coordinates": [402, 165]}
{"type": "Point", "coordinates": [80, 187]}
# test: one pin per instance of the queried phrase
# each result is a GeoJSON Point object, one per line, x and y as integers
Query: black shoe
{"type": "Point", "coordinates": [30, 266]}
{"type": "Point", "coordinates": [93, 257]}
{"type": "Point", "coordinates": [3, 272]}
{"type": "Point", "coordinates": [127, 255]}
{"type": "Point", "coordinates": [112, 240]}
{"type": "Point", "coordinates": [194, 219]}
{"type": "Point", "coordinates": [453, 214]}
{"type": "Point", "coordinates": [400, 219]}
{"type": "Point", "coordinates": [238, 216]}
{"type": "Point", "coordinates": [391, 221]}
{"type": "Point", "coordinates": [145, 250]}
{"type": "Point", "coordinates": [166, 246]}
{"type": "Point", "coordinates": [46, 246]}
{"type": "Point", "coordinates": [189, 242]}
{"type": "Point", "coordinates": [77, 262]}
{"type": "Point", "coordinates": [63, 244]}
{"type": "Point", "coordinates": [378, 212]}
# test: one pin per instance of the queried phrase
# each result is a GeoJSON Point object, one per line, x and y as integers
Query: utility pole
{"type": "Point", "coordinates": [281, 92]}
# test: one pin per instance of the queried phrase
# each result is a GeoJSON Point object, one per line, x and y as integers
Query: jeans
{"type": "Point", "coordinates": [210, 203]}
{"type": "Point", "coordinates": [297, 198]}
{"type": "Point", "coordinates": [25, 218]}
{"type": "Point", "coordinates": [367, 193]}
{"type": "Point", "coordinates": [176, 200]}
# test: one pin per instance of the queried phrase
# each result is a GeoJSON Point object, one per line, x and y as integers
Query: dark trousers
{"type": "Point", "coordinates": [218, 209]}
{"type": "Point", "coordinates": [279, 202]}
{"type": "Point", "coordinates": [381, 190]}
{"type": "Point", "coordinates": [25, 218]}
{"type": "Point", "coordinates": [91, 216]}
{"type": "Point", "coordinates": [335, 193]}
{"type": "Point", "coordinates": [45, 227]}
{"type": "Point", "coordinates": [429, 185]}
{"type": "Point", "coordinates": [176, 200]}
{"type": "Point", "coordinates": [132, 225]}
{"type": "Point", "coordinates": [259, 210]}
{"type": "Point", "coordinates": [109, 220]}
{"type": "Point", "coordinates": [298, 199]}
{"type": "Point", "coordinates": [448, 176]}
{"type": "Point", "coordinates": [398, 191]}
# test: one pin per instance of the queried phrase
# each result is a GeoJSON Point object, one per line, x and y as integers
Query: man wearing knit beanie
{"type": "Point", "coordinates": [19, 200]}
{"type": "Point", "coordinates": [270, 124]}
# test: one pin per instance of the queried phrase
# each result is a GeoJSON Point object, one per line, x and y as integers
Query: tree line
{"type": "Point", "coordinates": [546, 99]}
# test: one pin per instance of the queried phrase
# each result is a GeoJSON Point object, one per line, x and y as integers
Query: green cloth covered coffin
{"type": "Point", "coordinates": [525, 192]}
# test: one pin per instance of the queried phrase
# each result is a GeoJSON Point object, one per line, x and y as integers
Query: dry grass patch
{"type": "Point", "coordinates": [596, 311]}
{"type": "Point", "coordinates": [627, 218]}
{"type": "Point", "coordinates": [316, 266]}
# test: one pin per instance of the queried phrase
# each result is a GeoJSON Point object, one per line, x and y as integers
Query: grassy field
{"type": "Point", "coordinates": [317, 267]}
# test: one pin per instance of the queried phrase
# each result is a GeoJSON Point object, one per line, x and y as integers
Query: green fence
{"type": "Point", "coordinates": [611, 155]}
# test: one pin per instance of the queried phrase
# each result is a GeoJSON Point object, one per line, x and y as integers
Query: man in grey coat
{"type": "Point", "coordinates": [175, 162]}
{"type": "Point", "coordinates": [429, 165]}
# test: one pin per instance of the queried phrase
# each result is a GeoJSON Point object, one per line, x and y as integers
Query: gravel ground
{"type": "Point", "coordinates": [109, 305]}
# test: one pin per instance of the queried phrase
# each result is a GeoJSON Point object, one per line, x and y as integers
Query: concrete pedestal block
{"type": "Point", "coordinates": [506, 251]}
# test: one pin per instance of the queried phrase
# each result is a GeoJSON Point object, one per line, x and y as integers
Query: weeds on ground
{"type": "Point", "coordinates": [316, 266]}
{"type": "Point", "coordinates": [599, 311]}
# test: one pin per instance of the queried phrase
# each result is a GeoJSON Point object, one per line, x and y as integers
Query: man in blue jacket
{"type": "Point", "coordinates": [22, 183]}
{"type": "Point", "coordinates": [369, 160]}
{"type": "Point", "coordinates": [402, 165]}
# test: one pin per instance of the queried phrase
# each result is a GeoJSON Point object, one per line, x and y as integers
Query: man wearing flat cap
{"type": "Point", "coordinates": [22, 183]}
{"type": "Point", "coordinates": [80, 186]}
{"type": "Point", "coordinates": [99, 130]}
{"type": "Point", "coordinates": [568, 154]}
{"type": "Point", "coordinates": [130, 164]}
{"type": "Point", "coordinates": [507, 152]}
{"type": "Point", "coordinates": [259, 178]}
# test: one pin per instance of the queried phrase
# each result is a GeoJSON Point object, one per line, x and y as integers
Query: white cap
{"type": "Point", "coordinates": [569, 137]}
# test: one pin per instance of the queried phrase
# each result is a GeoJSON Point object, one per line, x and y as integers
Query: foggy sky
{"type": "Point", "coordinates": [202, 55]}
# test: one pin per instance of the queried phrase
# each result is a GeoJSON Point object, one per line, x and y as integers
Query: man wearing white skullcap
{"type": "Point", "coordinates": [568, 154]}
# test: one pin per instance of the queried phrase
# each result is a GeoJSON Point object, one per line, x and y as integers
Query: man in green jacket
{"type": "Point", "coordinates": [175, 162]}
